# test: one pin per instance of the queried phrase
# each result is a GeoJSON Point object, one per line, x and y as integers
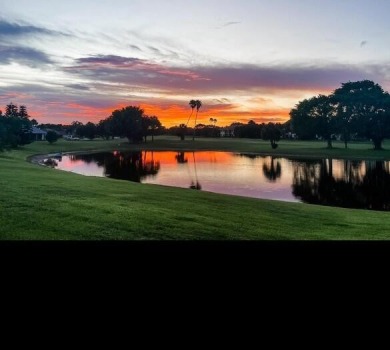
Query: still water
{"type": "Point", "coordinates": [340, 183]}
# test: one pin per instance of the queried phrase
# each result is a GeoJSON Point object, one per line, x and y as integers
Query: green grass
{"type": "Point", "coordinates": [39, 203]}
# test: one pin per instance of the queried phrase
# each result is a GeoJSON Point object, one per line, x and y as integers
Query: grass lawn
{"type": "Point", "coordinates": [39, 203]}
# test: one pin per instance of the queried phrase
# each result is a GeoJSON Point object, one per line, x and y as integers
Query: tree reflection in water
{"type": "Point", "coordinates": [339, 183]}
{"type": "Point", "coordinates": [363, 184]}
{"type": "Point", "coordinates": [195, 185]}
{"type": "Point", "coordinates": [133, 166]}
{"type": "Point", "coordinates": [181, 158]}
{"type": "Point", "coordinates": [272, 171]}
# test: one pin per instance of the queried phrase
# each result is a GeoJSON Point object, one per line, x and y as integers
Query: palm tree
{"type": "Point", "coordinates": [192, 105]}
{"type": "Point", "coordinates": [198, 104]}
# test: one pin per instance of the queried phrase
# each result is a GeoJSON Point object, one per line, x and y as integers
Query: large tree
{"type": "Point", "coordinates": [314, 116]}
{"type": "Point", "coordinates": [363, 108]}
{"type": "Point", "coordinates": [15, 126]}
{"type": "Point", "coordinates": [127, 122]}
{"type": "Point", "coordinates": [14, 131]}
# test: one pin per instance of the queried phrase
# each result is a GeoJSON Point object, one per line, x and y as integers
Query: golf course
{"type": "Point", "coordinates": [42, 203]}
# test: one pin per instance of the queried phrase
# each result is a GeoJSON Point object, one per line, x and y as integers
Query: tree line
{"type": "Point", "coordinates": [356, 110]}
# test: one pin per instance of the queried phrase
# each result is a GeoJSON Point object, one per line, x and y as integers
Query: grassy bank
{"type": "Point", "coordinates": [43, 203]}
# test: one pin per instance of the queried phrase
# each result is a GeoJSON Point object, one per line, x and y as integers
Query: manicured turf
{"type": "Point", "coordinates": [39, 203]}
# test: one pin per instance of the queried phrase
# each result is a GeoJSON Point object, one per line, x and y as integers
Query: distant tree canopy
{"type": "Point", "coordinates": [356, 109]}
{"type": "Point", "coordinates": [129, 122]}
{"type": "Point", "coordinates": [250, 130]}
{"type": "Point", "coordinates": [15, 127]}
{"type": "Point", "coordinates": [88, 130]}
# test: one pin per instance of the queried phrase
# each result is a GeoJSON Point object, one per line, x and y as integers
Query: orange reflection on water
{"type": "Point", "coordinates": [200, 157]}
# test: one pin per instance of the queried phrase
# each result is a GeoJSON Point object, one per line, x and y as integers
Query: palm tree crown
{"type": "Point", "coordinates": [192, 104]}
{"type": "Point", "coordinates": [198, 104]}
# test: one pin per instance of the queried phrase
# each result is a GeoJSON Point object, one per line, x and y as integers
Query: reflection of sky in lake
{"type": "Point", "coordinates": [78, 166]}
{"type": "Point", "coordinates": [219, 172]}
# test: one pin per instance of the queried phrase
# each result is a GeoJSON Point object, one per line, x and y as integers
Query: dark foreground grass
{"type": "Point", "coordinates": [38, 203]}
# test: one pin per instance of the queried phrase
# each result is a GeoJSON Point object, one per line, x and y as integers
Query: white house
{"type": "Point", "coordinates": [38, 134]}
{"type": "Point", "coordinates": [227, 132]}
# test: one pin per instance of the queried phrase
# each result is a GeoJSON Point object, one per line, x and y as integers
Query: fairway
{"type": "Point", "coordinates": [39, 203]}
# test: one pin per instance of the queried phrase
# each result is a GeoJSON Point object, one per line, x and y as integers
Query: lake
{"type": "Point", "coordinates": [340, 183]}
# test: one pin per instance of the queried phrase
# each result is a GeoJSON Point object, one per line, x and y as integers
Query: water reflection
{"type": "Point", "coordinates": [195, 185]}
{"type": "Point", "coordinates": [181, 158]}
{"type": "Point", "coordinates": [357, 184]}
{"type": "Point", "coordinates": [272, 170]}
{"type": "Point", "coordinates": [341, 183]}
{"type": "Point", "coordinates": [133, 166]}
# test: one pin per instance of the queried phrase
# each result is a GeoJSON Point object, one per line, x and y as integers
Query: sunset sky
{"type": "Point", "coordinates": [244, 59]}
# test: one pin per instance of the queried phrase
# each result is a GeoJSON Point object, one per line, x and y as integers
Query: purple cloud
{"type": "Point", "coordinates": [24, 55]}
{"type": "Point", "coordinates": [138, 72]}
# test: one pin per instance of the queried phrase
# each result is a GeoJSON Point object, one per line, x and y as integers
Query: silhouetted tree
{"type": "Point", "coordinates": [198, 105]}
{"type": "Point", "coordinates": [88, 130]}
{"type": "Point", "coordinates": [301, 123]}
{"type": "Point", "coordinates": [11, 110]}
{"type": "Point", "coordinates": [150, 125]}
{"type": "Point", "coordinates": [23, 112]}
{"type": "Point", "coordinates": [213, 121]}
{"type": "Point", "coordinates": [250, 130]}
{"type": "Point", "coordinates": [315, 116]}
{"type": "Point", "coordinates": [192, 104]}
{"type": "Point", "coordinates": [127, 122]}
{"type": "Point", "coordinates": [51, 136]}
{"type": "Point", "coordinates": [181, 131]}
{"type": "Point", "coordinates": [363, 107]}
{"type": "Point", "coordinates": [272, 133]}
{"type": "Point", "coordinates": [74, 127]}
{"type": "Point", "coordinates": [104, 128]}
{"type": "Point", "coordinates": [14, 130]}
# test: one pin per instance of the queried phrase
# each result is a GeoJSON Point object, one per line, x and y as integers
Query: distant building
{"type": "Point", "coordinates": [227, 132]}
{"type": "Point", "coordinates": [38, 134]}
